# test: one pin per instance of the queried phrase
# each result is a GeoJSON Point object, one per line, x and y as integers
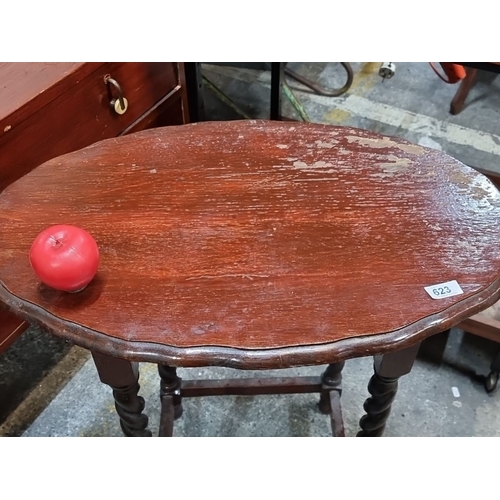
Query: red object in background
{"type": "Point", "coordinates": [454, 72]}
{"type": "Point", "coordinates": [65, 257]}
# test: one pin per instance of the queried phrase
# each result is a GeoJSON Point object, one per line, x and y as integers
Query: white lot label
{"type": "Point", "coordinates": [444, 290]}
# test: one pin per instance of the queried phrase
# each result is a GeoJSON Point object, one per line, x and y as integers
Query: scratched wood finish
{"type": "Point", "coordinates": [256, 244]}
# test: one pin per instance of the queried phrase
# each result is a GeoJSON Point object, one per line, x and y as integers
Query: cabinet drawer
{"type": "Point", "coordinates": [143, 84]}
{"type": "Point", "coordinates": [83, 115]}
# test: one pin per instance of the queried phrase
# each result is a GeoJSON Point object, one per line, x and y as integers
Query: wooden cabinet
{"type": "Point", "coordinates": [49, 109]}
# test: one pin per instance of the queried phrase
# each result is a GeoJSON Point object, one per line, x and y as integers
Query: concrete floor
{"type": "Point", "coordinates": [50, 388]}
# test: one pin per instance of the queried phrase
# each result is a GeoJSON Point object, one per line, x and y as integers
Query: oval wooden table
{"type": "Point", "coordinates": [257, 245]}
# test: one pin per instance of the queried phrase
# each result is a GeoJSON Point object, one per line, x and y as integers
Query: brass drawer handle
{"type": "Point", "coordinates": [120, 104]}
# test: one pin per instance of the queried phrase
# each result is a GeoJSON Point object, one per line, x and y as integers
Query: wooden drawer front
{"type": "Point", "coordinates": [83, 115]}
{"type": "Point", "coordinates": [143, 84]}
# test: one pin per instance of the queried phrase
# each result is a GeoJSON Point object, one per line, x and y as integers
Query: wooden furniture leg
{"type": "Point", "coordinates": [491, 381]}
{"type": "Point", "coordinates": [432, 348]}
{"type": "Point", "coordinates": [171, 400]}
{"type": "Point", "coordinates": [329, 401]}
{"type": "Point", "coordinates": [383, 387]}
{"type": "Point", "coordinates": [122, 376]}
{"type": "Point", "coordinates": [457, 103]}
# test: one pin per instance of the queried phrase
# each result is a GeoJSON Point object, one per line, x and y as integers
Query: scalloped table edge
{"type": "Point", "coordinates": [253, 359]}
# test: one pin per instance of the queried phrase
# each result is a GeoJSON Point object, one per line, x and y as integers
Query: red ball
{"type": "Point", "coordinates": [65, 257]}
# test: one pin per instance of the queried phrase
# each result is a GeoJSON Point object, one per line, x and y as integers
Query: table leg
{"type": "Point", "coordinates": [329, 401]}
{"type": "Point", "coordinates": [171, 399]}
{"type": "Point", "coordinates": [383, 387]}
{"type": "Point", "coordinates": [122, 376]}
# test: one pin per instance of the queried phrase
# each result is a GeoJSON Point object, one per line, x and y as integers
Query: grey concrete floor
{"type": "Point", "coordinates": [50, 388]}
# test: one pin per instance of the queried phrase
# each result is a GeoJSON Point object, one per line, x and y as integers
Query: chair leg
{"type": "Point", "coordinates": [383, 387]}
{"type": "Point", "coordinates": [122, 376]}
{"type": "Point", "coordinates": [466, 84]}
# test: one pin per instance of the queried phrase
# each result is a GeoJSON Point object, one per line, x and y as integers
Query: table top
{"type": "Point", "coordinates": [256, 244]}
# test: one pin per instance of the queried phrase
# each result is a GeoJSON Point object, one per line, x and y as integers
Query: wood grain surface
{"type": "Point", "coordinates": [256, 244]}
